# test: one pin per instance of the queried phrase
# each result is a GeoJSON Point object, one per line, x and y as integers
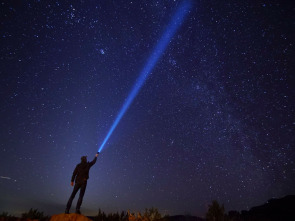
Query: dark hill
{"type": "Point", "coordinates": [274, 209]}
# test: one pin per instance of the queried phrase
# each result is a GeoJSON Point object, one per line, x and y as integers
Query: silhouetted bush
{"type": "Point", "coordinates": [151, 214]}
{"type": "Point", "coordinates": [5, 214]}
{"type": "Point", "coordinates": [35, 214]}
{"type": "Point", "coordinates": [101, 216]}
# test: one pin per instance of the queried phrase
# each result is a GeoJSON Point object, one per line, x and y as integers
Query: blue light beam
{"type": "Point", "coordinates": [162, 44]}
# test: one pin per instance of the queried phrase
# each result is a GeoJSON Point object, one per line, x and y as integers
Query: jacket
{"type": "Point", "coordinates": [81, 172]}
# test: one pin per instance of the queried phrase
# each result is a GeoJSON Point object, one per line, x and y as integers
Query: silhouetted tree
{"type": "Point", "coordinates": [124, 216]}
{"type": "Point", "coordinates": [215, 212]}
{"type": "Point", "coordinates": [113, 217]}
{"type": "Point", "coordinates": [152, 214]}
{"type": "Point", "coordinates": [100, 216]}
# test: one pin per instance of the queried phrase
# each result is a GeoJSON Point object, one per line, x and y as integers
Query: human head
{"type": "Point", "coordinates": [84, 159]}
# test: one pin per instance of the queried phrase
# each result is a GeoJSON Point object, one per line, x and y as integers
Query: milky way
{"type": "Point", "coordinates": [214, 120]}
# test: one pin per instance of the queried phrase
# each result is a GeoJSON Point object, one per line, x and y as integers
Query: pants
{"type": "Point", "coordinates": [82, 187]}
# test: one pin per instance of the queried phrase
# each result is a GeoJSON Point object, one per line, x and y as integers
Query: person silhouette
{"type": "Point", "coordinates": [80, 176]}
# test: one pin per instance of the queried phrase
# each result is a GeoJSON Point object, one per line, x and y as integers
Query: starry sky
{"type": "Point", "coordinates": [214, 119]}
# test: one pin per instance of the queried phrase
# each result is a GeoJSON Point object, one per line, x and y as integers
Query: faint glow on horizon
{"type": "Point", "coordinates": [162, 44]}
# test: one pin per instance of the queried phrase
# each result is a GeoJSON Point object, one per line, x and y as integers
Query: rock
{"type": "Point", "coordinates": [69, 217]}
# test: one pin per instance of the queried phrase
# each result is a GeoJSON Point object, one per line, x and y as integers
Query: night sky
{"type": "Point", "coordinates": [214, 120]}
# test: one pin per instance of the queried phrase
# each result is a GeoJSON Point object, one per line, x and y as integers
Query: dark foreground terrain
{"type": "Point", "coordinates": [274, 209]}
{"type": "Point", "coordinates": [282, 209]}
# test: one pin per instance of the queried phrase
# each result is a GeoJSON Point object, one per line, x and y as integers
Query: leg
{"type": "Point", "coordinates": [82, 191]}
{"type": "Point", "coordinates": [75, 190]}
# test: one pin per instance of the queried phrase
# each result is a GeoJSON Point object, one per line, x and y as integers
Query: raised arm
{"type": "Point", "coordinates": [94, 160]}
